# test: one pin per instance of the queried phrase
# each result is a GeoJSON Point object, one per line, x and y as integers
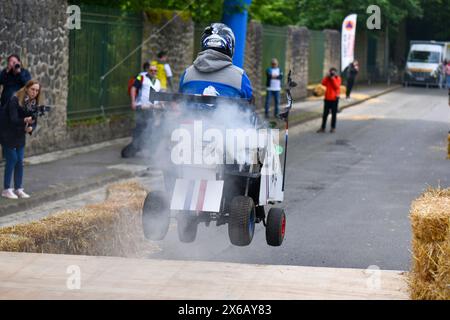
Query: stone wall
{"type": "Point", "coordinates": [332, 56]}
{"type": "Point", "coordinates": [361, 54]}
{"type": "Point", "coordinates": [43, 46]}
{"type": "Point", "coordinates": [253, 59]}
{"type": "Point", "coordinates": [177, 38]}
{"type": "Point", "coordinates": [297, 59]}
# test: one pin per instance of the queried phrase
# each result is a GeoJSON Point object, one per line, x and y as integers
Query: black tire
{"type": "Point", "coordinates": [187, 227]}
{"type": "Point", "coordinates": [155, 216]}
{"type": "Point", "coordinates": [128, 151]}
{"type": "Point", "coordinates": [241, 225]}
{"type": "Point", "coordinates": [275, 227]}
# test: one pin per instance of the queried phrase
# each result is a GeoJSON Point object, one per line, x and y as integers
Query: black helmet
{"type": "Point", "coordinates": [219, 37]}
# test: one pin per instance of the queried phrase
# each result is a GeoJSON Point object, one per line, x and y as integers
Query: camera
{"type": "Point", "coordinates": [40, 111]}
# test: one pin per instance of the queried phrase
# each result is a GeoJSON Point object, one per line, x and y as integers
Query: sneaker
{"type": "Point", "coordinates": [21, 194]}
{"type": "Point", "coordinates": [320, 130]}
{"type": "Point", "coordinates": [8, 193]}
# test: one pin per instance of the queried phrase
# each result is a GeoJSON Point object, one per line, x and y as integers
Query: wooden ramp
{"type": "Point", "coordinates": [45, 276]}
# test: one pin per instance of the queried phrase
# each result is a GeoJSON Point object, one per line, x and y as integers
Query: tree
{"type": "Point", "coordinates": [275, 12]}
{"type": "Point", "coordinates": [321, 14]}
{"type": "Point", "coordinates": [200, 10]}
{"type": "Point", "coordinates": [434, 24]}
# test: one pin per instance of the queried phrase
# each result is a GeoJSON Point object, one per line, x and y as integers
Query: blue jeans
{"type": "Point", "coordinates": [448, 82]}
{"type": "Point", "coordinates": [276, 97]}
{"type": "Point", "coordinates": [14, 164]}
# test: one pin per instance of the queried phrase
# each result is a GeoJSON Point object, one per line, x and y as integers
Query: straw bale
{"type": "Point", "coordinates": [111, 228]}
{"type": "Point", "coordinates": [430, 215]}
{"type": "Point", "coordinates": [443, 270]}
{"type": "Point", "coordinates": [430, 220]}
{"type": "Point", "coordinates": [426, 257]}
{"type": "Point", "coordinates": [15, 243]}
{"type": "Point", "coordinates": [424, 290]}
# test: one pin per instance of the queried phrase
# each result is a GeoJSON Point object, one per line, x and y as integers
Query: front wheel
{"type": "Point", "coordinates": [275, 227]}
{"type": "Point", "coordinates": [241, 224]}
{"type": "Point", "coordinates": [155, 216]}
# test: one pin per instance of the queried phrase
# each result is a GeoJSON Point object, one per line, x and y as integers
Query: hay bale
{"type": "Point", "coordinates": [319, 90]}
{"type": "Point", "coordinates": [15, 243]}
{"type": "Point", "coordinates": [424, 290]}
{"type": "Point", "coordinates": [430, 215]}
{"type": "Point", "coordinates": [426, 257]}
{"type": "Point", "coordinates": [111, 228]}
{"type": "Point", "coordinates": [430, 220]}
{"type": "Point", "coordinates": [443, 271]}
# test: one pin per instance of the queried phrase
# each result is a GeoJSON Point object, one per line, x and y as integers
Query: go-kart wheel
{"type": "Point", "coordinates": [187, 227]}
{"type": "Point", "coordinates": [275, 227]}
{"type": "Point", "coordinates": [241, 225]}
{"type": "Point", "coordinates": [129, 151]}
{"type": "Point", "coordinates": [155, 216]}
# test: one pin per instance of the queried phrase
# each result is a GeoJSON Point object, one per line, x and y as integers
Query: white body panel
{"type": "Point", "coordinates": [197, 195]}
{"type": "Point", "coordinates": [271, 175]}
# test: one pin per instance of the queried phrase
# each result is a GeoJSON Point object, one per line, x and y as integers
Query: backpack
{"type": "Point", "coordinates": [131, 83]}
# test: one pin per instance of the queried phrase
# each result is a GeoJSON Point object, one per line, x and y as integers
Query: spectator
{"type": "Point", "coordinates": [145, 68]}
{"type": "Point", "coordinates": [332, 82]}
{"type": "Point", "coordinates": [18, 121]}
{"type": "Point", "coordinates": [441, 74]}
{"type": "Point", "coordinates": [140, 102]}
{"type": "Point", "coordinates": [164, 71]}
{"type": "Point", "coordinates": [273, 82]}
{"type": "Point", "coordinates": [447, 74]}
{"type": "Point", "coordinates": [12, 79]}
{"type": "Point", "coordinates": [352, 72]}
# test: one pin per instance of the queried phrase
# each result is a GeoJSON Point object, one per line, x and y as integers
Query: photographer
{"type": "Point", "coordinates": [12, 79]}
{"type": "Point", "coordinates": [332, 82]}
{"type": "Point", "coordinates": [19, 120]}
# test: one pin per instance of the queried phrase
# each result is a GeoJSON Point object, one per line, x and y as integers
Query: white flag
{"type": "Point", "coordinates": [348, 41]}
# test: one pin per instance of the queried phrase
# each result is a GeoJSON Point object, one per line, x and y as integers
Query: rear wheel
{"type": "Point", "coordinates": [155, 216]}
{"type": "Point", "coordinates": [241, 225]}
{"type": "Point", "coordinates": [129, 151]}
{"type": "Point", "coordinates": [187, 227]}
{"type": "Point", "coordinates": [275, 227]}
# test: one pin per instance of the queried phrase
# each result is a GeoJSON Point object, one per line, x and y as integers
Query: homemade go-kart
{"type": "Point", "coordinates": [235, 194]}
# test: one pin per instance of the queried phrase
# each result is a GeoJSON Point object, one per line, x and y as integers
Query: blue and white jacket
{"type": "Point", "coordinates": [215, 69]}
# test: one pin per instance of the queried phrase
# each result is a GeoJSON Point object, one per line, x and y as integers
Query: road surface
{"type": "Point", "coordinates": [347, 194]}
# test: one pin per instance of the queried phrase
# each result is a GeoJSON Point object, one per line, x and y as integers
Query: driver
{"type": "Point", "coordinates": [213, 72]}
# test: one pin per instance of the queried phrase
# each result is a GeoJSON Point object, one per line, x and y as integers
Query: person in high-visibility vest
{"type": "Point", "coordinates": [164, 71]}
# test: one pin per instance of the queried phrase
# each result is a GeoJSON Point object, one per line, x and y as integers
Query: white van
{"type": "Point", "coordinates": [423, 61]}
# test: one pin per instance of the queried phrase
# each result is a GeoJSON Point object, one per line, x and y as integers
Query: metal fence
{"type": "Point", "coordinates": [316, 56]}
{"type": "Point", "coordinates": [106, 37]}
{"type": "Point", "coordinates": [274, 46]}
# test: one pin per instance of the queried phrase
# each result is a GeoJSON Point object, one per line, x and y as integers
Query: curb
{"type": "Point", "coordinates": [63, 191]}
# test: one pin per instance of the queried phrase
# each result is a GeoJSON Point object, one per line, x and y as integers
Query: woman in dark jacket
{"type": "Point", "coordinates": [18, 122]}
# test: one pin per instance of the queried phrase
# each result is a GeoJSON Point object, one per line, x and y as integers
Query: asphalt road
{"type": "Point", "coordinates": [347, 194]}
